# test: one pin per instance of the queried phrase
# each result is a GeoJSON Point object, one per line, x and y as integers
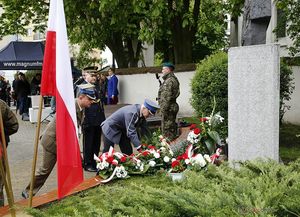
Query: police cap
{"type": "Point", "coordinates": [151, 106]}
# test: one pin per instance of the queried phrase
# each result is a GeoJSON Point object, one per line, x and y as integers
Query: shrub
{"type": "Point", "coordinates": [287, 87]}
{"type": "Point", "coordinates": [255, 189]}
{"type": "Point", "coordinates": [210, 81]}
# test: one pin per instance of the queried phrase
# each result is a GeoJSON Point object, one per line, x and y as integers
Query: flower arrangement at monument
{"type": "Point", "coordinates": [201, 147]}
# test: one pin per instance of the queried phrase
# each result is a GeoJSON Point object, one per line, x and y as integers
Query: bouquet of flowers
{"type": "Point", "coordinates": [115, 164]}
{"type": "Point", "coordinates": [204, 136]}
{"type": "Point", "coordinates": [157, 156]}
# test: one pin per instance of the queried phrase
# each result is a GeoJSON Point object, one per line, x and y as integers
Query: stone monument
{"type": "Point", "coordinates": [253, 102]}
{"type": "Point", "coordinates": [256, 18]}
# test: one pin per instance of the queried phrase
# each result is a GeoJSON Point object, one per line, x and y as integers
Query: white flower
{"type": "Point", "coordinates": [220, 118]}
{"type": "Point", "coordinates": [152, 163]}
{"type": "Point", "coordinates": [162, 148]}
{"type": "Point", "coordinates": [142, 167]}
{"type": "Point", "coordinates": [115, 162]}
{"type": "Point", "coordinates": [207, 158]}
{"type": "Point", "coordinates": [173, 159]}
{"type": "Point", "coordinates": [187, 161]}
{"type": "Point", "coordinates": [124, 174]}
{"type": "Point", "coordinates": [138, 162]}
{"type": "Point", "coordinates": [100, 166]}
{"type": "Point", "coordinates": [105, 164]}
{"type": "Point", "coordinates": [166, 159]}
{"type": "Point", "coordinates": [156, 155]}
{"type": "Point", "coordinates": [118, 174]}
{"type": "Point", "coordinates": [199, 160]}
{"type": "Point", "coordinates": [171, 152]}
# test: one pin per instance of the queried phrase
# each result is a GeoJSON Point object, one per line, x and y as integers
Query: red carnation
{"type": "Point", "coordinates": [203, 119]}
{"type": "Point", "coordinates": [185, 156]}
{"type": "Point", "coordinates": [114, 162]}
{"type": "Point", "coordinates": [145, 153]}
{"type": "Point", "coordinates": [110, 159]}
{"type": "Point", "coordinates": [193, 126]}
{"type": "Point", "coordinates": [175, 163]}
{"type": "Point", "coordinates": [151, 147]}
{"type": "Point", "coordinates": [123, 159]}
{"type": "Point", "coordinates": [197, 131]}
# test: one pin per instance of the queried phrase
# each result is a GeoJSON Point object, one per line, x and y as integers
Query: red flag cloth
{"type": "Point", "coordinates": [48, 87]}
{"type": "Point", "coordinates": [57, 81]}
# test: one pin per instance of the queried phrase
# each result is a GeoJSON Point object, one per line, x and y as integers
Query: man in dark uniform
{"type": "Point", "coordinates": [93, 117]}
{"type": "Point", "coordinates": [11, 126]}
{"type": "Point", "coordinates": [48, 142]}
{"type": "Point", "coordinates": [167, 95]}
{"type": "Point", "coordinates": [120, 127]}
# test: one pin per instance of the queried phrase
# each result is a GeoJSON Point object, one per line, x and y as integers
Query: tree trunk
{"type": "Point", "coordinates": [182, 42]}
{"type": "Point", "coordinates": [115, 44]}
{"type": "Point", "coordinates": [134, 51]}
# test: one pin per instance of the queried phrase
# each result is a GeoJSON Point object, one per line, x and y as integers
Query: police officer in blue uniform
{"type": "Point", "coordinates": [91, 129]}
{"type": "Point", "coordinates": [120, 127]}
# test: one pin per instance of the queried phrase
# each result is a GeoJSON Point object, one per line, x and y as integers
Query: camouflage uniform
{"type": "Point", "coordinates": [11, 126]}
{"type": "Point", "coordinates": [167, 94]}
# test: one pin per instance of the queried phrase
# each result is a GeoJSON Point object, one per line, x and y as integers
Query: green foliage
{"type": "Point", "coordinates": [291, 9]}
{"type": "Point", "coordinates": [210, 81]}
{"type": "Point", "coordinates": [84, 59]}
{"type": "Point", "coordinates": [287, 87]}
{"type": "Point", "coordinates": [255, 189]}
{"type": "Point", "coordinates": [31, 73]}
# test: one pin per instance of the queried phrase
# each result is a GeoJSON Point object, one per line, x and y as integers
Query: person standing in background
{"type": "Point", "coordinates": [103, 88]}
{"type": "Point", "coordinates": [35, 84]}
{"type": "Point", "coordinates": [22, 91]}
{"type": "Point", "coordinates": [167, 95]}
{"type": "Point", "coordinates": [112, 88]}
{"type": "Point", "coordinates": [93, 117]}
{"type": "Point", "coordinates": [3, 88]}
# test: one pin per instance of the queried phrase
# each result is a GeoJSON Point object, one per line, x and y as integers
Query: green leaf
{"type": "Point", "coordinates": [210, 144]}
{"type": "Point", "coordinates": [215, 137]}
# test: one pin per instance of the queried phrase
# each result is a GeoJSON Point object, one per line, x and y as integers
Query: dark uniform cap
{"type": "Point", "coordinates": [88, 92]}
{"type": "Point", "coordinates": [151, 106]}
{"type": "Point", "coordinates": [92, 68]}
{"type": "Point", "coordinates": [168, 64]}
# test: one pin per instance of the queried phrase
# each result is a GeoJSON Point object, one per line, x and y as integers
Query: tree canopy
{"type": "Point", "coordinates": [291, 9]}
{"type": "Point", "coordinates": [183, 30]}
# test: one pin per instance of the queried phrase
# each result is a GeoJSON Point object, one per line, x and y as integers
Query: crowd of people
{"type": "Point", "coordinates": [92, 91]}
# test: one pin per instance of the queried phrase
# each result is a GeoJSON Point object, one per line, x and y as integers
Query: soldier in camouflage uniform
{"type": "Point", "coordinates": [167, 94]}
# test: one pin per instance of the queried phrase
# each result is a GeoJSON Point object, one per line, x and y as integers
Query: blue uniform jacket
{"type": "Point", "coordinates": [112, 86]}
{"type": "Point", "coordinates": [123, 121]}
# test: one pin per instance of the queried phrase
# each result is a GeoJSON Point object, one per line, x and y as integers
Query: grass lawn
{"type": "Point", "coordinates": [289, 142]}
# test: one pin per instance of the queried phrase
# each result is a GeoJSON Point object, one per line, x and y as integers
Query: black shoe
{"type": "Point", "coordinates": [25, 194]}
{"type": "Point", "coordinates": [90, 169]}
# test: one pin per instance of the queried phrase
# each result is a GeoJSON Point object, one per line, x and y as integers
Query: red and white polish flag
{"type": "Point", "coordinates": [57, 81]}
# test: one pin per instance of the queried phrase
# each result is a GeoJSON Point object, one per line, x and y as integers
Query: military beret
{"type": "Point", "coordinates": [168, 64]}
{"type": "Point", "coordinates": [151, 106]}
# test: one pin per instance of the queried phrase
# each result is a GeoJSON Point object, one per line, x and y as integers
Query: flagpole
{"type": "Point", "coordinates": [9, 199]}
{"type": "Point", "coordinates": [10, 195]}
{"type": "Point", "coordinates": [36, 142]}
